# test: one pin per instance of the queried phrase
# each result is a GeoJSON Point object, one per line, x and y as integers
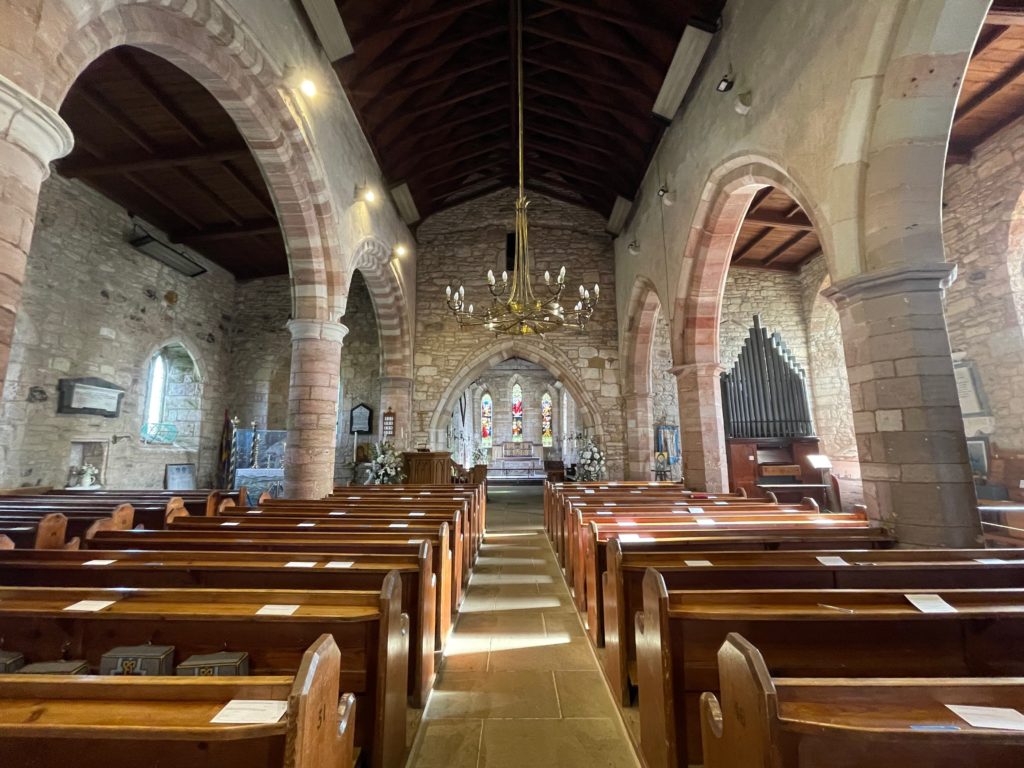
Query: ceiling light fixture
{"type": "Point", "coordinates": [401, 250]}
{"type": "Point", "coordinates": [515, 310]}
{"type": "Point", "coordinates": [365, 193]}
{"type": "Point", "coordinates": [308, 88]}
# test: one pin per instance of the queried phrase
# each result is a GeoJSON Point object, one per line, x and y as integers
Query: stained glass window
{"type": "Point", "coordinates": [517, 414]}
{"type": "Point", "coordinates": [546, 434]}
{"type": "Point", "coordinates": [486, 421]}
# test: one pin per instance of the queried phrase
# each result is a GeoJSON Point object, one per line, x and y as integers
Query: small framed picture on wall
{"type": "Point", "coordinates": [668, 441]}
{"type": "Point", "coordinates": [180, 477]}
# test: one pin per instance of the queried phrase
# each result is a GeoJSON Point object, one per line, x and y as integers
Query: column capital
{"type": "Point", "coordinates": [921, 278]}
{"type": "Point", "coordinates": [697, 369]}
{"type": "Point", "coordinates": [324, 330]}
{"type": "Point", "coordinates": [29, 124]}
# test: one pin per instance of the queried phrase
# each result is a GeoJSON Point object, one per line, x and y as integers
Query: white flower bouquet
{"type": "Point", "coordinates": [387, 465]}
{"type": "Point", "coordinates": [591, 462]}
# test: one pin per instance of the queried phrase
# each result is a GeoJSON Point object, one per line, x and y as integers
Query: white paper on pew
{"type": "Point", "coordinates": [930, 604]}
{"type": "Point", "coordinates": [340, 564]}
{"type": "Point", "coordinates": [398, 525]}
{"type": "Point", "coordinates": [602, 487]}
{"type": "Point", "coordinates": [306, 525]}
{"type": "Point", "coordinates": [590, 491]}
{"type": "Point", "coordinates": [1002, 718]}
{"type": "Point", "coordinates": [627, 523]}
{"type": "Point", "coordinates": [99, 562]}
{"type": "Point", "coordinates": [712, 497]}
{"type": "Point", "coordinates": [604, 512]}
{"type": "Point", "coordinates": [354, 498]}
{"type": "Point", "coordinates": [405, 498]}
{"type": "Point", "coordinates": [698, 563]}
{"type": "Point", "coordinates": [254, 511]}
{"type": "Point", "coordinates": [831, 560]}
{"type": "Point", "coordinates": [705, 521]}
{"type": "Point", "coordinates": [271, 609]}
{"type": "Point", "coordinates": [250, 712]}
{"type": "Point", "coordinates": [425, 493]}
{"type": "Point", "coordinates": [415, 541]}
{"type": "Point", "coordinates": [636, 493]}
{"type": "Point", "coordinates": [695, 510]}
{"type": "Point", "coordinates": [991, 560]}
{"type": "Point", "coordinates": [89, 606]}
{"type": "Point", "coordinates": [634, 537]}
{"type": "Point", "coordinates": [229, 523]}
{"type": "Point", "coordinates": [719, 503]}
{"type": "Point", "coordinates": [417, 514]}
{"type": "Point", "coordinates": [300, 564]}
{"type": "Point", "coordinates": [336, 513]}
{"type": "Point", "coordinates": [610, 504]}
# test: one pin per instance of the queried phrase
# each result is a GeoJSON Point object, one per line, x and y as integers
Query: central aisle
{"type": "Point", "coordinates": [520, 684]}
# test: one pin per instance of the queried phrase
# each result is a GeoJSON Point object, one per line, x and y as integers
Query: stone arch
{"type": "Point", "coordinates": [210, 42]}
{"type": "Point", "coordinates": [372, 258]}
{"type": "Point", "coordinates": [698, 305]}
{"type": "Point", "coordinates": [641, 322]}
{"type": "Point", "coordinates": [169, 350]}
{"type": "Point", "coordinates": [535, 351]}
{"type": "Point", "coordinates": [910, 133]}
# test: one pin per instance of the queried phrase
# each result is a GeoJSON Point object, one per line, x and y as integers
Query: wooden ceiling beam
{"type": "Point", "coordinates": [577, 175]}
{"type": "Point", "coordinates": [583, 101]}
{"type": "Point", "coordinates": [443, 76]}
{"type": "Point", "coordinates": [412, 139]}
{"type": "Point", "coordinates": [626, 152]}
{"type": "Point", "coordinates": [1006, 17]}
{"type": "Point", "coordinates": [617, 19]}
{"type": "Point", "coordinates": [990, 90]}
{"type": "Point", "coordinates": [422, 171]}
{"type": "Point", "coordinates": [607, 51]}
{"type": "Point", "coordinates": [633, 89]}
{"type": "Point", "coordinates": [616, 174]}
{"type": "Point", "coordinates": [457, 99]}
{"type": "Point", "coordinates": [262, 198]}
{"type": "Point", "coordinates": [425, 51]}
{"type": "Point", "coordinates": [781, 251]}
{"type": "Point", "coordinates": [447, 201]}
{"type": "Point", "coordinates": [93, 169]}
{"type": "Point", "coordinates": [751, 244]}
{"type": "Point", "coordinates": [567, 196]}
{"type": "Point", "coordinates": [158, 95]}
{"type": "Point", "coordinates": [447, 145]}
{"type": "Point", "coordinates": [989, 35]}
{"type": "Point", "coordinates": [575, 120]}
{"type": "Point", "coordinates": [460, 173]}
{"type": "Point", "coordinates": [386, 28]}
{"type": "Point", "coordinates": [214, 234]}
{"type": "Point", "coordinates": [780, 220]}
{"type": "Point", "coordinates": [759, 199]}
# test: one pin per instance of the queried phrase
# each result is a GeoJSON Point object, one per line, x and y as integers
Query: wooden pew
{"type": "Point", "coordinates": [78, 519]}
{"type": "Point", "coordinates": [46, 532]}
{"type": "Point", "coordinates": [800, 532]}
{"type": "Point", "coordinates": [764, 720]}
{"type": "Point", "coordinates": [306, 543]}
{"type": "Point", "coordinates": [368, 627]}
{"type": "Point", "coordinates": [737, 570]}
{"type": "Point", "coordinates": [124, 722]}
{"type": "Point", "coordinates": [147, 513]}
{"type": "Point", "coordinates": [198, 502]}
{"type": "Point", "coordinates": [807, 633]}
{"type": "Point", "coordinates": [244, 570]}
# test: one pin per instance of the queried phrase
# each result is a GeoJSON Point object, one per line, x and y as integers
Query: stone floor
{"type": "Point", "coordinates": [519, 685]}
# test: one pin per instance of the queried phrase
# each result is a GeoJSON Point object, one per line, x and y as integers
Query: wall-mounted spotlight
{"type": "Point", "coordinates": [400, 250]}
{"type": "Point", "coordinates": [667, 196]}
{"type": "Point", "coordinates": [366, 193]}
{"type": "Point", "coordinates": [308, 88]}
{"type": "Point", "coordinates": [633, 248]}
{"type": "Point", "coordinates": [726, 83]}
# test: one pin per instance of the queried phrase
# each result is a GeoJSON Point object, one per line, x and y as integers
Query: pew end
{"type": "Point", "coordinates": [5, 542]}
{"type": "Point", "coordinates": [174, 514]}
{"type": "Point", "coordinates": [103, 524]}
{"type": "Point", "coordinates": [52, 531]}
{"type": "Point", "coordinates": [312, 705]}
{"type": "Point", "coordinates": [654, 672]}
{"type": "Point", "coordinates": [735, 729]}
{"type": "Point", "coordinates": [73, 544]}
{"type": "Point", "coordinates": [123, 516]}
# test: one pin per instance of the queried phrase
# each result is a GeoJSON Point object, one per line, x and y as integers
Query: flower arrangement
{"type": "Point", "coordinates": [386, 465]}
{"type": "Point", "coordinates": [87, 475]}
{"type": "Point", "coordinates": [591, 461]}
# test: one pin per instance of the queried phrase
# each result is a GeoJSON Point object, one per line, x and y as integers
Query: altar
{"type": "Point", "coordinates": [518, 460]}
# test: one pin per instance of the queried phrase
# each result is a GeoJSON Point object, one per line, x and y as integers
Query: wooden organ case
{"type": "Point", "coordinates": [769, 433]}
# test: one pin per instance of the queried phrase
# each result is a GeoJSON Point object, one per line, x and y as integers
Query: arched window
{"type": "Point", "coordinates": [517, 413]}
{"type": "Point", "coordinates": [173, 407]}
{"type": "Point", "coordinates": [486, 421]}
{"type": "Point", "coordinates": [546, 422]}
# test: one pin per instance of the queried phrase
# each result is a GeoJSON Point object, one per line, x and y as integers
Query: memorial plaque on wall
{"type": "Point", "coordinates": [89, 396]}
{"type": "Point", "coordinates": [360, 420]}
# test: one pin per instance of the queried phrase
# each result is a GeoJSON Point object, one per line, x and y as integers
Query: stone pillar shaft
{"type": "Point", "coordinates": [702, 427]}
{"type": "Point", "coordinates": [31, 135]}
{"type": "Point", "coordinates": [910, 434]}
{"type": "Point", "coordinates": [639, 436]}
{"type": "Point", "coordinates": [312, 408]}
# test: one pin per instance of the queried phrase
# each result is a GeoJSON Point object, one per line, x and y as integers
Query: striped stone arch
{"type": "Point", "coordinates": [638, 341]}
{"type": "Point", "coordinates": [212, 43]}
{"type": "Point", "coordinates": [372, 258]}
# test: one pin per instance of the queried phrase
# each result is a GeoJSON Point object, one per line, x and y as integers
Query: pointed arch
{"type": "Point", "coordinates": [486, 420]}
{"type": "Point", "coordinates": [372, 257]}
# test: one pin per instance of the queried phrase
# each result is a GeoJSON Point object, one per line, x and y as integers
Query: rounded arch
{"type": "Point", "coordinates": [641, 320]}
{"type": "Point", "coordinates": [708, 251]}
{"type": "Point", "coordinates": [214, 45]}
{"type": "Point", "coordinates": [372, 258]}
{"type": "Point", "coordinates": [535, 351]}
{"type": "Point", "coordinates": [909, 136]}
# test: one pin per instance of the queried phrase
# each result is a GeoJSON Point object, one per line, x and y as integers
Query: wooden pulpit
{"type": "Point", "coordinates": [428, 467]}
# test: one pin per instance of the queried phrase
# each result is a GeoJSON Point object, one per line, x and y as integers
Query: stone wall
{"type": "Point", "coordinates": [261, 352]}
{"type": "Point", "coordinates": [664, 387]}
{"type": "Point", "coordinates": [94, 306]}
{"type": "Point", "coordinates": [983, 225]}
{"type": "Point", "coordinates": [360, 371]}
{"type": "Point", "coordinates": [460, 245]}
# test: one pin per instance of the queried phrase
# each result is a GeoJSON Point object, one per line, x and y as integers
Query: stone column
{"type": "Point", "coordinates": [312, 408]}
{"type": "Point", "coordinates": [396, 394]}
{"type": "Point", "coordinates": [31, 135]}
{"type": "Point", "coordinates": [639, 410]}
{"type": "Point", "coordinates": [910, 433]}
{"type": "Point", "coordinates": [702, 426]}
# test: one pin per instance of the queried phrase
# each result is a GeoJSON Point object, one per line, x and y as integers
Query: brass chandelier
{"type": "Point", "coordinates": [515, 310]}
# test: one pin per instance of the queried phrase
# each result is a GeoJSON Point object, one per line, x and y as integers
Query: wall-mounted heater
{"type": "Point", "coordinates": [157, 249]}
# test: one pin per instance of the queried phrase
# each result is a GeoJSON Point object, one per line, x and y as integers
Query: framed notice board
{"type": "Point", "coordinates": [360, 420]}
